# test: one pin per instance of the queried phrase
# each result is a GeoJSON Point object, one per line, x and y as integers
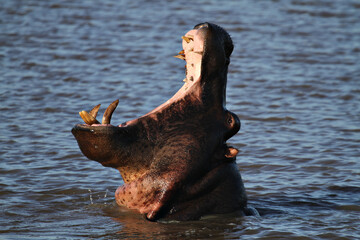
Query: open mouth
{"type": "Point", "coordinates": [192, 53]}
{"type": "Point", "coordinates": [193, 48]}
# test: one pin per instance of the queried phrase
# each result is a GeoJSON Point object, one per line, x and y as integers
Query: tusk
{"type": "Point", "coordinates": [187, 38]}
{"type": "Point", "coordinates": [182, 57]}
{"type": "Point", "coordinates": [109, 111]}
{"type": "Point", "coordinates": [95, 110]}
{"type": "Point", "coordinates": [88, 119]}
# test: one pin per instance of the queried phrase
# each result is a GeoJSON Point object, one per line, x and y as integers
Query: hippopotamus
{"type": "Point", "coordinates": [174, 160]}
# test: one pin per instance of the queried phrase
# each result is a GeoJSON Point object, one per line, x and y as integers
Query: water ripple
{"type": "Point", "coordinates": [293, 81]}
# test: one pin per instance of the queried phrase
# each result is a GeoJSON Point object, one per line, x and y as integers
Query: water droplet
{"type": "Point", "coordinates": [91, 200]}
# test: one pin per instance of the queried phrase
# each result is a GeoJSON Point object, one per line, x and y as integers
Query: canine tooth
{"type": "Point", "coordinates": [182, 57]}
{"type": "Point", "coordinates": [109, 111]}
{"type": "Point", "coordinates": [88, 119]}
{"type": "Point", "coordinates": [95, 110]}
{"type": "Point", "coordinates": [187, 38]}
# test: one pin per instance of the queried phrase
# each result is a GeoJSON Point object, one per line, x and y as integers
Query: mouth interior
{"type": "Point", "coordinates": [192, 53]}
{"type": "Point", "coordinates": [193, 47]}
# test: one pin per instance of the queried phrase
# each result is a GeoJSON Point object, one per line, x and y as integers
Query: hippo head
{"type": "Point", "coordinates": [174, 160]}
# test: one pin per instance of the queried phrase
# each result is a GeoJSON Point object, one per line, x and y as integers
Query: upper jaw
{"type": "Point", "coordinates": [192, 53]}
{"type": "Point", "coordinates": [202, 54]}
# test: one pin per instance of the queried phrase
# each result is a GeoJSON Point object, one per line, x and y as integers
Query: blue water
{"type": "Point", "coordinates": [294, 81]}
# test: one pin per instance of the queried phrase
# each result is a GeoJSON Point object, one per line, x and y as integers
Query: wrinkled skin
{"type": "Point", "coordinates": [174, 161]}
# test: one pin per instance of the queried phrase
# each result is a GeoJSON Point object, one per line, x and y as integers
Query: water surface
{"type": "Point", "coordinates": [294, 81]}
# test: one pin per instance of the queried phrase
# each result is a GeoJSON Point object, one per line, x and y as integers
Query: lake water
{"type": "Point", "coordinates": [294, 81]}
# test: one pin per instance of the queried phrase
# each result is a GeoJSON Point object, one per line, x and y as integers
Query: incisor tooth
{"type": "Point", "coordinates": [187, 38]}
{"type": "Point", "coordinates": [88, 119]}
{"type": "Point", "coordinates": [95, 110]}
{"type": "Point", "coordinates": [182, 57]}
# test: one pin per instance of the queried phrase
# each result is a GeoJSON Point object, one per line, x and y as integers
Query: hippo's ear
{"type": "Point", "coordinates": [231, 153]}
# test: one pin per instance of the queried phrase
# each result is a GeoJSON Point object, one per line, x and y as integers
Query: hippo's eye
{"type": "Point", "coordinates": [229, 120]}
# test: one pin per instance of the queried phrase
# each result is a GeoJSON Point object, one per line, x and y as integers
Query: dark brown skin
{"type": "Point", "coordinates": [174, 160]}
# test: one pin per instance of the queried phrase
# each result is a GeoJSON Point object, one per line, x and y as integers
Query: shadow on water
{"type": "Point", "coordinates": [134, 226]}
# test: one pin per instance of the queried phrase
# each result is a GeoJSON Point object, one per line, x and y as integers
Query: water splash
{"type": "Point", "coordinates": [91, 199]}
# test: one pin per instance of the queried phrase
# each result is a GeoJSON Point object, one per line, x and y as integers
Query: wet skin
{"type": "Point", "coordinates": [174, 161]}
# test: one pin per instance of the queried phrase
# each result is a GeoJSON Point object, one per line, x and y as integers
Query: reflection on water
{"type": "Point", "coordinates": [293, 81]}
